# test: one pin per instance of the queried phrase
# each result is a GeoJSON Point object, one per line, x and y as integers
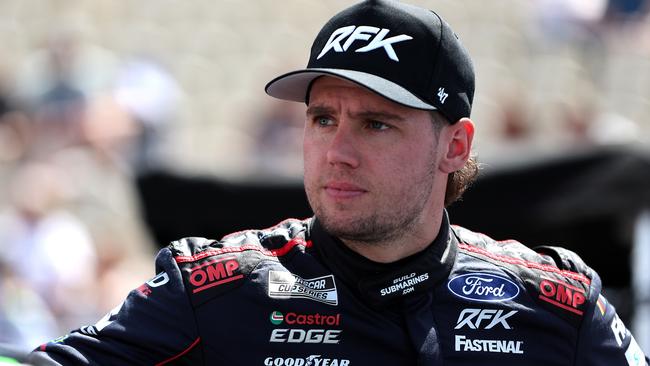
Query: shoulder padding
{"type": "Point", "coordinates": [555, 277]}
{"type": "Point", "coordinates": [211, 268]}
{"type": "Point", "coordinates": [565, 259]}
{"type": "Point", "coordinates": [188, 247]}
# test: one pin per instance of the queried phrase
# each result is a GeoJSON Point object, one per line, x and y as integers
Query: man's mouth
{"type": "Point", "coordinates": [342, 190]}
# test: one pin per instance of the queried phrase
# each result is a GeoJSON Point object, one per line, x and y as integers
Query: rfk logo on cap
{"type": "Point", "coordinates": [363, 33]}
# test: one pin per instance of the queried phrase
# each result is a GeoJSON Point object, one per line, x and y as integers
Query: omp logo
{"type": "Point", "coordinates": [484, 287]}
{"type": "Point", "coordinates": [363, 33]}
{"type": "Point", "coordinates": [284, 285]}
{"type": "Point", "coordinates": [214, 273]}
{"type": "Point", "coordinates": [313, 360]}
{"type": "Point", "coordinates": [489, 318]}
{"type": "Point", "coordinates": [562, 295]}
{"type": "Point", "coordinates": [305, 319]}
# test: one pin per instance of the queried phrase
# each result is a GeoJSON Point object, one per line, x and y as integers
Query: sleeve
{"type": "Point", "coordinates": [154, 325]}
{"type": "Point", "coordinates": [603, 339]}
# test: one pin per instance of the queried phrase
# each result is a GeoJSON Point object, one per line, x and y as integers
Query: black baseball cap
{"type": "Point", "coordinates": [404, 53]}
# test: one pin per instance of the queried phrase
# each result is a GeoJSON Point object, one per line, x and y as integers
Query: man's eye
{"type": "Point", "coordinates": [323, 121]}
{"type": "Point", "coordinates": [376, 125]}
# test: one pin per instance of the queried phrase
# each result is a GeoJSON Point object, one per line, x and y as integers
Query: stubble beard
{"type": "Point", "coordinates": [386, 224]}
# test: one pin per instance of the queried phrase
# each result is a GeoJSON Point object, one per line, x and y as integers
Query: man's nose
{"type": "Point", "coordinates": [343, 149]}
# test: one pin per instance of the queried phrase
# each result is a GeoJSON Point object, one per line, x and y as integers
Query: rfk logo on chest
{"type": "Point", "coordinates": [562, 295]}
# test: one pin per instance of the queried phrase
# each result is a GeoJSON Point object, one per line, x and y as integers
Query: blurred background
{"type": "Point", "coordinates": [127, 124]}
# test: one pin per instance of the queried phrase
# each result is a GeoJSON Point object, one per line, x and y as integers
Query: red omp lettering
{"type": "Point", "coordinates": [231, 267]}
{"type": "Point", "coordinates": [214, 274]}
{"type": "Point", "coordinates": [197, 278]}
{"type": "Point", "coordinates": [562, 295]}
{"type": "Point", "coordinates": [216, 271]}
{"type": "Point", "coordinates": [578, 299]}
{"type": "Point", "coordinates": [547, 288]}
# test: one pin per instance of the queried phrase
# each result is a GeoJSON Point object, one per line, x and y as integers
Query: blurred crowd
{"type": "Point", "coordinates": [80, 120]}
{"type": "Point", "coordinates": [74, 132]}
{"type": "Point", "coordinates": [580, 81]}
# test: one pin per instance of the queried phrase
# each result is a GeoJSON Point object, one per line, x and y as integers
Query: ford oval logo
{"type": "Point", "coordinates": [483, 287]}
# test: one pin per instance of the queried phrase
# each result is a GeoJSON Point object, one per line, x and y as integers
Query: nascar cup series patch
{"type": "Point", "coordinates": [285, 285]}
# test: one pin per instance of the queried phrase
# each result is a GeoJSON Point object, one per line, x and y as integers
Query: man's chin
{"type": "Point", "coordinates": [337, 225]}
{"type": "Point", "coordinates": [353, 229]}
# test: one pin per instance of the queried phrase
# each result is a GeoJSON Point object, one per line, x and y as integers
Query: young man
{"type": "Point", "coordinates": [378, 276]}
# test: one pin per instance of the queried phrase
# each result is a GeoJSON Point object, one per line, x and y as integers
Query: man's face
{"type": "Point", "coordinates": [371, 165]}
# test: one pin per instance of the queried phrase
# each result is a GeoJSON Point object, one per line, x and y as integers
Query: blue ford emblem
{"type": "Point", "coordinates": [483, 287]}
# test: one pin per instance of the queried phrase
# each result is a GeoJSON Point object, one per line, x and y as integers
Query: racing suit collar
{"type": "Point", "coordinates": [384, 283]}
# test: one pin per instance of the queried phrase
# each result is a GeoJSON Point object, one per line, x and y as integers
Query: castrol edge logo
{"type": "Point", "coordinates": [484, 287]}
{"type": "Point", "coordinates": [324, 335]}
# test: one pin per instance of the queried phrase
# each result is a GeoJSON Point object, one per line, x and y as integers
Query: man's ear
{"type": "Point", "coordinates": [458, 147]}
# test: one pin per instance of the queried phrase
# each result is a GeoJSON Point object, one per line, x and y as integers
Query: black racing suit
{"type": "Point", "coordinates": [291, 295]}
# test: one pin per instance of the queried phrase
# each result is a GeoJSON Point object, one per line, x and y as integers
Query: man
{"type": "Point", "coordinates": [378, 276]}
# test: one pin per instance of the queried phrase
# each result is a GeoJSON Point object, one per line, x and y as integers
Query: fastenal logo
{"type": "Point", "coordinates": [285, 285]}
{"type": "Point", "coordinates": [562, 295]}
{"type": "Point", "coordinates": [463, 344]}
{"type": "Point", "coordinates": [484, 287]}
{"type": "Point", "coordinates": [363, 33]}
{"type": "Point", "coordinates": [484, 318]}
{"type": "Point", "coordinates": [277, 318]}
{"type": "Point", "coordinates": [313, 360]}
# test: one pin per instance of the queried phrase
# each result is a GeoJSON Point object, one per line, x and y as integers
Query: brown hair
{"type": "Point", "coordinates": [460, 180]}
